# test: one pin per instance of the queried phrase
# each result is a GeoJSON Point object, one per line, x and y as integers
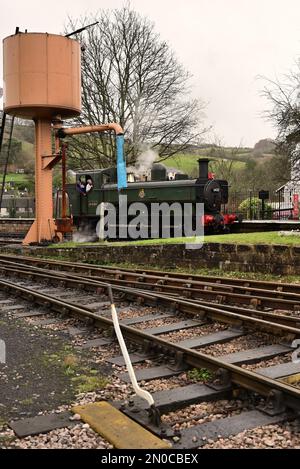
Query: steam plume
{"type": "Point", "coordinates": [143, 163]}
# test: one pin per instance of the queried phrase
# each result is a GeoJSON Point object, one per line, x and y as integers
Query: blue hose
{"type": "Point", "coordinates": [121, 165]}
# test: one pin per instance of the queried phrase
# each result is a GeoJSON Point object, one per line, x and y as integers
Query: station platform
{"type": "Point", "coordinates": [251, 226]}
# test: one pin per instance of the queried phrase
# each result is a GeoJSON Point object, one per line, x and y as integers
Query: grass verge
{"type": "Point", "coordinates": [271, 237]}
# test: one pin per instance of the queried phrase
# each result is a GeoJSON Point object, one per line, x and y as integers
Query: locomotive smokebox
{"type": "Point", "coordinates": [203, 168]}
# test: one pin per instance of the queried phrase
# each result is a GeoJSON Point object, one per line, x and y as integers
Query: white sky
{"type": "Point", "coordinates": [225, 44]}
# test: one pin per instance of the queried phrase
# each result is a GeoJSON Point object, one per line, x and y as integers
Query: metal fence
{"type": "Point", "coordinates": [20, 207]}
{"type": "Point", "coordinates": [282, 204]}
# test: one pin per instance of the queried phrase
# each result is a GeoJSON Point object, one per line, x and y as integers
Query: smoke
{"type": "Point", "coordinates": [71, 176]}
{"type": "Point", "coordinates": [84, 235]}
{"type": "Point", "coordinates": [143, 163]}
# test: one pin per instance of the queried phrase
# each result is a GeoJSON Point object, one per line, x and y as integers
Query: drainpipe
{"type": "Point", "coordinates": [121, 167]}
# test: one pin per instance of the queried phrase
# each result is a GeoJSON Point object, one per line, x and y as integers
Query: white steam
{"type": "Point", "coordinates": [143, 163]}
{"type": "Point", "coordinates": [84, 235]}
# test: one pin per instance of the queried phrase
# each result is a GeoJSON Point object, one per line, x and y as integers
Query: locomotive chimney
{"type": "Point", "coordinates": [203, 168]}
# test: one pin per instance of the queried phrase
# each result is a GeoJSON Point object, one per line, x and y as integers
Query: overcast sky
{"type": "Point", "coordinates": [225, 44]}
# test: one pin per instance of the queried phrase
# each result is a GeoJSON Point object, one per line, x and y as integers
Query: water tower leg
{"type": "Point", "coordinates": [43, 228]}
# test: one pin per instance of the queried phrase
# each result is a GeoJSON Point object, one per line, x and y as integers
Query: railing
{"type": "Point", "coordinates": [280, 205]}
{"type": "Point", "coordinates": [17, 207]}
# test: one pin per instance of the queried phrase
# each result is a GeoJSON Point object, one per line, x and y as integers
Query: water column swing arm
{"type": "Point", "coordinates": [121, 167]}
{"type": "Point", "coordinates": [64, 224]}
{"type": "Point", "coordinates": [63, 132]}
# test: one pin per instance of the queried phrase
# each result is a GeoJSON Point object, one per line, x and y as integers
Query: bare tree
{"type": "Point", "coordinates": [130, 76]}
{"type": "Point", "coordinates": [284, 98]}
{"type": "Point", "coordinates": [224, 159]}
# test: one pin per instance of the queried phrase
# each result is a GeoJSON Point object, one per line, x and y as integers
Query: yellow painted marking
{"type": "Point", "coordinates": [291, 379]}
{"type": "Point", "coordinates": [117, 428]}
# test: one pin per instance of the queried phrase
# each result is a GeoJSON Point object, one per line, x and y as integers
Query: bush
{"type": "Point", "coordinates": [252, 208]}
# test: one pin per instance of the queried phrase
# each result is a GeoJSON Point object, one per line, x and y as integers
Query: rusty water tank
{"type": "Point", "coordinates": [42, 76]}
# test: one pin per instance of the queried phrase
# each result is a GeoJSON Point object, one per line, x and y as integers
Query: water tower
{"type": "Point", "coordinates": [42, 81]}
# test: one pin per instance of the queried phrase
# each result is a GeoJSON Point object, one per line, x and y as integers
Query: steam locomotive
{"type": "Point", "coordinates": [213, 193]}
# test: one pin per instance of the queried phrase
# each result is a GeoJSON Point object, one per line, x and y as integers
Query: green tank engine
{"type": "Point", "coordinates": [213, 193]}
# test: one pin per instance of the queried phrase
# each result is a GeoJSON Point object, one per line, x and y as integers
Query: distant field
{"type": "Point", "coordinates": [18, 178]}
{"type": "Point", "coordinates": [187, 163]}
{"type": "Point", "coordinates": [242, 154]}
{"type": "Point", "coordinates": [28, 147]}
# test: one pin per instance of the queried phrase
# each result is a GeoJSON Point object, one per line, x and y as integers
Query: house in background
{"type": "Point", "coordinates": [289, 193]}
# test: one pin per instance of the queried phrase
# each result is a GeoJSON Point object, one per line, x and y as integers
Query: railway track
{"type": "Point", "coordinates": [258, 295]}
{"type": "Point", "coordinates": [208, 333]}
{"type": "Point", "coordinates": [91, 269]}
{"type": "Point", "coordinates": [10, 240]}
{"type": "Point", "coordinates": [232, 315]}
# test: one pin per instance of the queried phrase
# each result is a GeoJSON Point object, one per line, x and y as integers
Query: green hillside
{"type": "Point", "coordinates": [187, 163]}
